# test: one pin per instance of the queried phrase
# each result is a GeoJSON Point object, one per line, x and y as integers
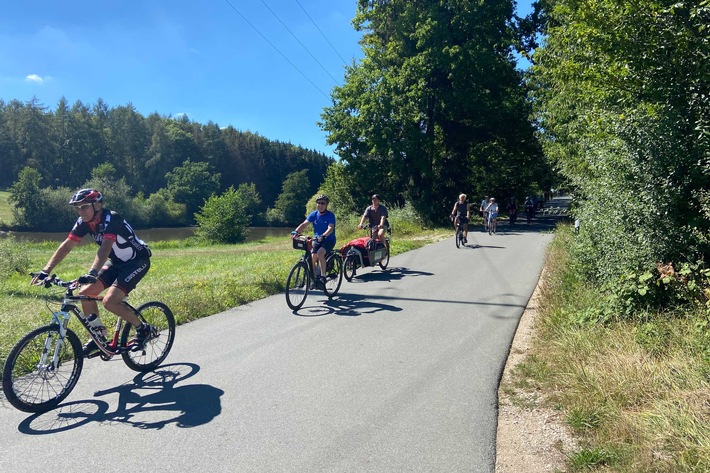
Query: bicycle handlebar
{"type": "Point", "coordinates": [53, 280]}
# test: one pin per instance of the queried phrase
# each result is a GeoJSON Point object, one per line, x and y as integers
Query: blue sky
{"type": "Point", "coordinates": [265, 66]}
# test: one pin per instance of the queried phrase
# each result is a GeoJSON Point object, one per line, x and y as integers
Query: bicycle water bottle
{"type": "Point", "coordinates": [96, 326]}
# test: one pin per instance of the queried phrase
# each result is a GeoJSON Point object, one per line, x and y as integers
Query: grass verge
{"type": "Point", "coordinates": [636, 394]}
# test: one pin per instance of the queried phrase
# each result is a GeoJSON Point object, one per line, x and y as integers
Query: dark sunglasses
{"type": "Point", "coordinates": [321, 203]}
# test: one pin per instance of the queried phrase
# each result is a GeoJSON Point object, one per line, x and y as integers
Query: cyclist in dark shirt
{"type": "Point", "coordinates": [462, 213]}
{"type": "Point", "coordinates": [120, 263]}
{"type": "Point", "coordinates": [377, 216]}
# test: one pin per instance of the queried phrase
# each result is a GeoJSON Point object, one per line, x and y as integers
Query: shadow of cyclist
{"type": "Point", "coordinates": [156, 391]}
{"type": "Point", "coordinates": [391, 274]}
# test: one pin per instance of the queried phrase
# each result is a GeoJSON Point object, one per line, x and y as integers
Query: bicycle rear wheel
{"type": "Point", "coordinates": [297, 285]}
{"type": "Point", "coordinates": [156, 349]}
{"type": "Point", "coordinates": [334, 274]}
{"type": "Point", "coordinates": [386, 260]}
{"type": "Point", "coordinates": [31, 380]}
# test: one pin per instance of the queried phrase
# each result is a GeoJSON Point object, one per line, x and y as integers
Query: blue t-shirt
{"type": "Point", "coordinates": [320, 223]}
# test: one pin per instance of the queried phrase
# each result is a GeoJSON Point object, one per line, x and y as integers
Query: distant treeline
{"type": "Point", "coordinates": [67, 144]}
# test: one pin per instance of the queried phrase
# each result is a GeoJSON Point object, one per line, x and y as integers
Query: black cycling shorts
{"type": "Point", "coordinates": [326, 244]}
{"type": "Point", "coordinates": [126, 275]}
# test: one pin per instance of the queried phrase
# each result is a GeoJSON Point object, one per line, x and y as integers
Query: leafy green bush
{"type": "Point", "coordinates": [405, 220]}
{"type": "Point", "coordinates": [223, 219]}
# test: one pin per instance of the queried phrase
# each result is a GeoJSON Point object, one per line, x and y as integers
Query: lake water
{"type": "Point", "coordinates": [148, 234]}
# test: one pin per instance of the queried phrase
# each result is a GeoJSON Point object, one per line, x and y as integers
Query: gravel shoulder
{"type": "Point", "coordinates": [531, 438]}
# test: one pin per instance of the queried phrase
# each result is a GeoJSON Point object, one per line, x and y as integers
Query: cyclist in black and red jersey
{"type": "Point", "coordinates": [120, 263]}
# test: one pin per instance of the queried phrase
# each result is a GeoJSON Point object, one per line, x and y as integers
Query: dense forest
{"type": "Point", "coordinates": [154, 155]}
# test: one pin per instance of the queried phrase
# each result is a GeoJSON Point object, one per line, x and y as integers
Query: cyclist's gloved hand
{"type": "Point", "coordinates": [39, 277]}
{"type": "Point", "coordinates": [88, 278]}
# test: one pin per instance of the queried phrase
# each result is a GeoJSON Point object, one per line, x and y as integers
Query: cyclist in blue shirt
{"type": "Point", "coordinates": [323, 221]}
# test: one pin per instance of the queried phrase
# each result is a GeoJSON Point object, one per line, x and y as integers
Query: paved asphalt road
{"type": "Point", "coordinates": [397, 374]}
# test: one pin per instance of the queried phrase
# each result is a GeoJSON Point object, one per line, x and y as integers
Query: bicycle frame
{"type": "Point", "coordinates": [459, 228]}
{"type": "Point", "coordinates": [69, 306]}
{"type": "Point", "coordinates": [306, 258]}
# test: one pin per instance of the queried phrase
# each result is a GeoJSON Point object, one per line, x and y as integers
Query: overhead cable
{"type": "Point", "coordinates": [275, 48]}
{"type": "Point", "coordinates": [322, 34]}
{"type": "Point", "coordinates": [299, 42]}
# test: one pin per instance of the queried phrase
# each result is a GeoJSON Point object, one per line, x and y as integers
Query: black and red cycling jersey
{"type": "Point", "coordinates": [111, 226]}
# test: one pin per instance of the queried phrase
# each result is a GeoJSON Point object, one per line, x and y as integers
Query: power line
{"type": "Point", "coordinates": [322, 34]}
{"type": "Point", "coordinates": [275, 48]}
{"type": "Point", "coordinates": [299, 42]}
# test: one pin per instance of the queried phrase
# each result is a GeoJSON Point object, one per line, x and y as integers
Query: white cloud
{"type": "Point", "coordinates": [34, 78]}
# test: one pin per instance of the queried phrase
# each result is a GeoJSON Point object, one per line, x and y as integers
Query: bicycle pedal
{"type": "Point", "coordinates": [93, 354]}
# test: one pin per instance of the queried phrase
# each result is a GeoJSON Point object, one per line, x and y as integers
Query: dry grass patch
{"type": "Point", "coordinates": [637, 394]}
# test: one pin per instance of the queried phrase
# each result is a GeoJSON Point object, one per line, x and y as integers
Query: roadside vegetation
{"type": "Point", "coordinates": [634, 389]}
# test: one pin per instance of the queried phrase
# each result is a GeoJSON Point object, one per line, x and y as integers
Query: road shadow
{"type": "Point", "coordinates": [154, 392]}
{"type": "Point", "coordinates": [389, 274]}
{"type": "Point", "coordinates": [477, 246]}
{"type": "Point", "coordinates": [350, 305]}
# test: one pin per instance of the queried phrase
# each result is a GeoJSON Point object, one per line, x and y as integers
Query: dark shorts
{"type": "Point", "coordinates": [125, 276]}
{"type": "Point", "coordinates": [463, 220]}
{"type": "Point", "coordinates": [326, 244]}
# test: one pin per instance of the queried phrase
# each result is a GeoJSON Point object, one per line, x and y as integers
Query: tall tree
{"type": "Point", "coordinates": [293, 198]}
{"type": "Point", "coordinates": [192, 183]}
{"type": "Point", "coordinates": [436, 106]}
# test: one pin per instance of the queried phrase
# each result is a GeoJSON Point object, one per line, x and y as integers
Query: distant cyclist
{"type": "Point", "coordinates": [120, 263]}
{"type": "Point", "coordinates": [323, 221]}
{"type": "Point", "coordinates": [529, 209]}
{"type": "Point", "coordinates": [492, 210]}
{"type": "Point", "coordinates": [512, 209]}
{"type": "Point", "coordinates": [483, 212]}
{"type": "Point", "coordinates": [462, 213]}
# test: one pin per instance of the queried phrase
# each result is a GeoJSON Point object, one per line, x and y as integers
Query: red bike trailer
{"type": "Point", "coordinates": [363, 252]}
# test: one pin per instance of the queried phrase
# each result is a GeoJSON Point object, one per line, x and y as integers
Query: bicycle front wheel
{"type": "Point", "coordinates": [334, 274]}
{"type": "Point", "coordinates": [458, 238]}
{"type": "Point", "coordinates": [350, 267]}
{"type": "Point", "coordinates": [156, 349]}
{"type": "Point", "coordinates": [42, 369]}
{"type": "Point", "coordinates": [297, 285]}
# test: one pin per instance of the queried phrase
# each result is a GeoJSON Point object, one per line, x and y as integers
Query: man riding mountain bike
{"type": "Point", "coordinates": [120, 263]}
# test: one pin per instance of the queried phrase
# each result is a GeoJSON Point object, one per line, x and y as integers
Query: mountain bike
{"type": "Point", "coordinates": [45, 365]}
{"type": "Point", "coordinates": [302, 278]}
